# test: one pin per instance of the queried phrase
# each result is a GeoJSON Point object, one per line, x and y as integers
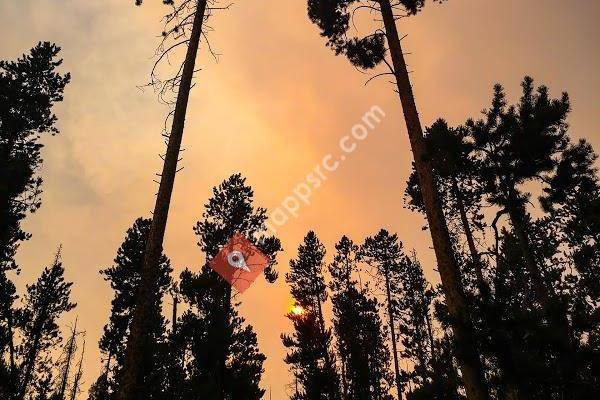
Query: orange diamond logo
{"type": "Point", "coordinates": [239, 262]}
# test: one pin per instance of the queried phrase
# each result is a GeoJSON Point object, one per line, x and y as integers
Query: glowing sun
{"type": "Point", "coordinates": [297, 309]}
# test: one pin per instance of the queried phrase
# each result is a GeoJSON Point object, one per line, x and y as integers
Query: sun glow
{"type": "Point", "coordinates": [297, 309]}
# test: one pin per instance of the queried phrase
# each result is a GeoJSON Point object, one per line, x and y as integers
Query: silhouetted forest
{"type": "Point", "coordinates": [510, 197]}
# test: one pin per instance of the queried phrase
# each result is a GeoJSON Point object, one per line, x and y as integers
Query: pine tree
{"type": "Point", "coordinates": [29, 88]}
{"type": "Point", "coordinates": [572, 199]}
{"type": "Point", "coordinates": [457, 170]}
{"type": "Point", "coordinates": [8, 366]}
{"type": "Point", "coordinates": [522, 340]}
{"type": "Point", "coordinates": [357, 326]}
{"type": "Point", "coordinates": [384, 253]}
{"type": "Point", "coordinates": [517, 145]}
{"type": "Point", "coordinates": [309, 347]}
{"type": "Point", "coordinates": [433, 375]}
{"type": "Point", "coordinates": [222, 356]}
{"type": "Point", "coordinates": [44, 303]}
{"type": "Point", "coordinates": [333, 18]}
{"type": "Point", "coordinates": [99, 389]}
{"type": "Point", "coordinates": [124, 278]}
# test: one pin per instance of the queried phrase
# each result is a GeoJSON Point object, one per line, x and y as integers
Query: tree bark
{"type": "Point", "coordinates": [131, 378]}
{"type": "Point", "coordinates": [466, 349]}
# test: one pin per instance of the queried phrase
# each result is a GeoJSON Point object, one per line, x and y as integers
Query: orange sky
{"type": "Point", "coordinates": [273, 106]}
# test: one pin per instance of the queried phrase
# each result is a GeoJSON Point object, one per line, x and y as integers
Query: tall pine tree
{"type": "Point", "coordinates": [29, 89]}
{"type": "Point", "coordinates": [519, 145]}
{"type": "Point", "coordinates": [222, 359]}
{"type": "Point", "coordinates": [384, 253]}
{"type": "Point", "coordinates": [333, 18]}
{"type": "Point", "coordinates": [309, 347]}
{"type": "Point", "coordinates": [357, 326]}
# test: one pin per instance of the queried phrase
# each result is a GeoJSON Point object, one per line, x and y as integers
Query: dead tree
{"type": "Point", "coordinates": [183, 28]}
{"type": "Point", "coordinates": [69, 353]}
{"type": "Point", "coordinates": [78, 375]}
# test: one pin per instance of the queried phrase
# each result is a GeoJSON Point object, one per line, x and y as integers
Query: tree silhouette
{"type": "Point", "coordinates": [333, 18]}
{"type": "Point", "coordinates": [124, 277]}
{"type": "Point", "coordinates": [45, 301]}
{"type": "Point", "coordinates": [573, 198]}
{"type": "Point", "coordinates": [518, 144]}
{"type": "Point", "coordinates": [29, 88]}
{"type": "Point", "coordinates": [383, 252]}
{"type": "Point", "coordinates": [186, 17]}
{"type": "Point", "coordinates": [309, 346]}
{"type": "Point", "coordinates": [433, 374]}
{"type": "Point", "coordinates": [357, 326]}
{"type": "Point", "coordinates": [222, 359]}
{"type": "Point", "coordinates": [452, 157]}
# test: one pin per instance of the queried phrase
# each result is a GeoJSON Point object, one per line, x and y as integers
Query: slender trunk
{"type": "Point", "coordinates": [70, 351]}
{"type": "Point", "coordinates": [320, 312]}
{"type": "Point", "coordinates": [393, 333]}
{"type": "Point", "coordinates": [11, 349]}
{"type": "Point", "coordinates": [174, 357]}
{"type": "Point", "coordinates": [131, 378]}
{"type": "Point", "coordinates": [430, 335]}
{"type": "Point", "coordinates": [5, 229]}
{"type": "Point", "coordinates": [174, 317]}
{"type": "Point", "coordinates": [225, 321]}
{"type": "Point", "coordinates": [78, 375]}
{"type": "Point", "coordinates": [466, 348]}
{"type": "Point", "coordinates": [484, 289]}
{"type": "Point", "coordinates": [30, 363]}
{"type": "Point", "coordinates": [511, 388]}
{"type": "Point", "coordinates": [344, 382]}
{"type": "Point", "coordinates": [108, 365]}
{"type": "Point", "coordinates": [328, 361]}
{"type": "Point", "coordinates": [32, 355]}
{"type": "Point", "coordinates": [541, 291]}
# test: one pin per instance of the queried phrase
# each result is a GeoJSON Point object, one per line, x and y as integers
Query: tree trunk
{"type": "Point", "coordinates": [78, 376]}
{"type": "Point", "coordinates": [393, 333]}
{"type": "Point", "coordinates": [328, 361]}
{"type": "Point", "coordinates": [484, 289]}
{"type": "Point", "coordinates": [32, 354]}
{"type": "Point", "coordinates": [70, 353]}
{"type": "Point", "coordinates": [174, 370]}
{"type": "Point", "coordinates": [466, 349]}
{"type": "Point", "coordinates": [344, 382]}
{"type": "Point", "coordinates": [131, 380]}
{"type": "Point", "coordinates": [29, 366]}
{"type": "Point", "coordinates": [11, 349]}
{"type": "Point", "coordinates": [430, 335]}
{"type": "Point", "coordinates": [226, 320]}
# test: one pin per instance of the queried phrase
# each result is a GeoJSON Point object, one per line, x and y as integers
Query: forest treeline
{"type": "Point", "coordinates": [511, 199]}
